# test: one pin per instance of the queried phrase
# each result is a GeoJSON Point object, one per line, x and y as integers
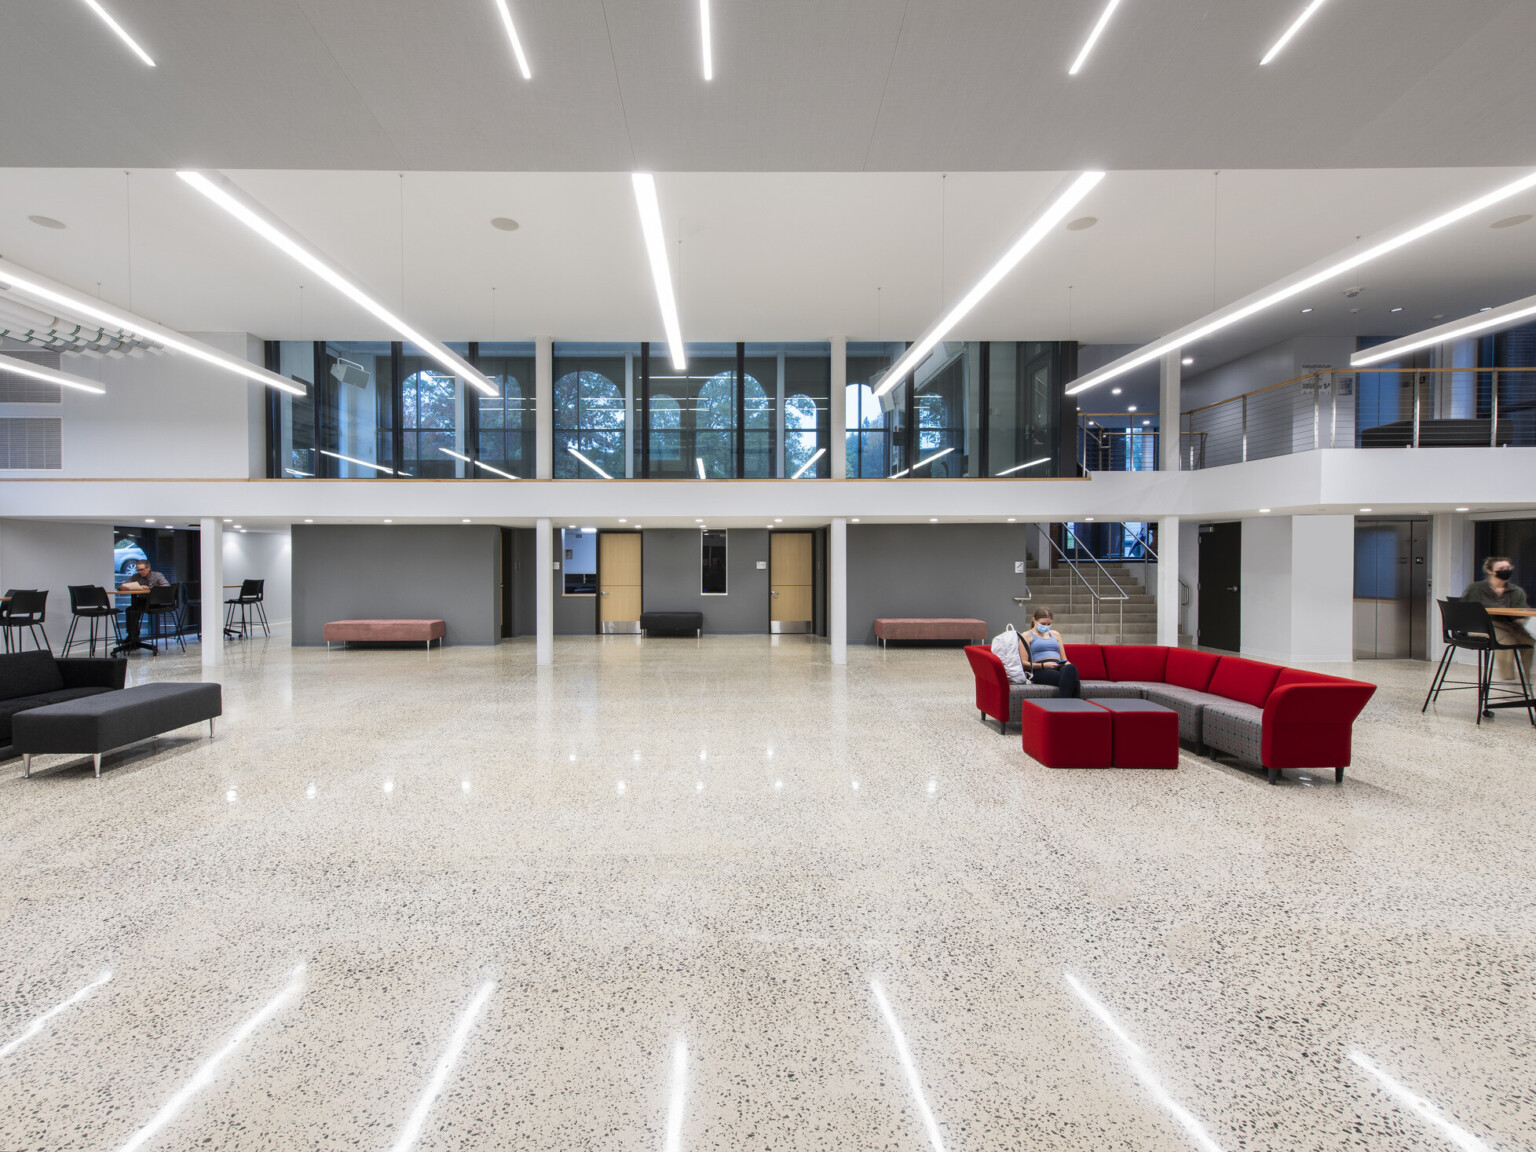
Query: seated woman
{"type": "Point", "coordinates": [1045, 657]}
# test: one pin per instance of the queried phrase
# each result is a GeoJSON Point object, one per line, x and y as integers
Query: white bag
{"type": "Point", "coordinates": [1005, 646]}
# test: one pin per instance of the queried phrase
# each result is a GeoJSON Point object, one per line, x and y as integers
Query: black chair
{"type": "Point", "coordinates": [1466, 624]}
{"type": "Point", "coordinates": [162, 605]}
{"type": "Point", "coordinates": [90, 603]}
{"type": "Point", "coordinates": [28, 608]}
{"type": "Point", "coordinates": [191, 610]}
{"type": "Point", "coordinates": [249, 600]}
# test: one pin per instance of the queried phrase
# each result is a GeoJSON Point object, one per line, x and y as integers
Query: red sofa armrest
{"type": "Point", "coordinates": [1309, 725]}
{"type": "Point", "coordinates": [991, 682]}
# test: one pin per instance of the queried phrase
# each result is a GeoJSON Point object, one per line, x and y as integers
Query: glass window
{"type": "Point", "coordinates": [1024, 405]}
{"type": "Point", "coordinates": [693, 413]}
{"type": "Point", "coordinates": [578, 562]}
{"type": "Point", "coordinates": [807, 391]}
{"type": "Point", "coordinates": [296, 452]}
{"type": "Point", "coordinates": [505, 424]}
{"type": "Point", "coordinates": [871, 431]}
{"type": "Point", "coordinates": [590, 409]}
{"type": "Point", "coordinates": [357, 409]}
{"type": "Point", "coordinates": [431, 415]}
{"type": "Point", "coordinates": [943, 407]}
{"type": "Point", "coordinates": [712, 564]}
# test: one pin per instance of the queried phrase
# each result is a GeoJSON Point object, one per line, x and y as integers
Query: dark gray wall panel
{"type": "Point", "coordinates": [670, 562]}
{"type": "Point", "coordinates": [934, 570]}
{"type": "Point", "coordinates": [426, 571]}
{"type": "Point", "coordinates": [524, 582]}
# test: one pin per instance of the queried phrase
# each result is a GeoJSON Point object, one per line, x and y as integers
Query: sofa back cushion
{"type": "Point", "coordinates": [1297, 676]}
{"type": "Point", "coordinates": [1190, 669]}
{"type": "Point", "coordinates": [1249, 681]}
{"type": "Point", "coordinates": [1089, 659]}
{"type": "Point", "coordinates": [1135, 661]}
{"type": "Point", "coordinates": [28, 674]}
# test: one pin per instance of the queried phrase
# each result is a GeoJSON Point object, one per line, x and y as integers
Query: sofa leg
{"type": "Point", "coordinates": [1338, 775]}
{"type": "Point", "coordinates": [96, 758]}
{"type": "Point", "coordinates": [26, 764]}
{"type": "Point", "coordinates": [1274, 775]}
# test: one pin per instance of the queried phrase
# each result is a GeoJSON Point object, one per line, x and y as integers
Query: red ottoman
{"type": "Point", "coordinates": [1146, 735]}
{"type": "Point", "coordinates": [1066, 733]}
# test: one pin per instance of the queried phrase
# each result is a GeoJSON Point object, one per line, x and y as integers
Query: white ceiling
{"type": "Point", "coordinates": [770, 256]}
{"type": "Point", "coordinates": [801, 85]}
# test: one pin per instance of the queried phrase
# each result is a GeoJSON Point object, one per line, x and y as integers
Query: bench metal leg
{"type": "Point", "coordinates": [210, 727]}
{"type": "Point", "coordinates": [97, 759]}
{"type": "Point", "coordinates": [26, 764]}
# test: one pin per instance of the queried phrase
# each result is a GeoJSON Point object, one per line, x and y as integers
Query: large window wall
{"type": "Point", "coordinates": [592, 409]}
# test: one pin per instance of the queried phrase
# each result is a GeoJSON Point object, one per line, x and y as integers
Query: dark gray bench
{"type": "Point", "coordinates": [672, 623]}
{"type": "Point", "coordinates": [94, 725]}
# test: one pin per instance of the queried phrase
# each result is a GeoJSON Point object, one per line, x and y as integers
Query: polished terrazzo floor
{"type": "Point", "coordinates": [721, 895]}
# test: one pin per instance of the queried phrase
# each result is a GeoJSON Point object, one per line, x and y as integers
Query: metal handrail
{"type": "Point", "coordinates": [1093, 605]}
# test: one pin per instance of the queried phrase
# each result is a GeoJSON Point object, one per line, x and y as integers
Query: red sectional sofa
{"type": "Point", "coordinates": [1265, 715]}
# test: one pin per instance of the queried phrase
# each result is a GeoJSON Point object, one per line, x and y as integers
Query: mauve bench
{"type": "Point", "coordinates": [95, 725]}
{"type": "Point", "coordinates": [912, 628]}
{"type": "Point", "coordinates": [386, 631]}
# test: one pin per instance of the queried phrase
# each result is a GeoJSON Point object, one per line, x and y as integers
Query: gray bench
{"type": "Point", "coordinates": [672, 623]}
{"type": "Point", "coordinates": [95, 725]}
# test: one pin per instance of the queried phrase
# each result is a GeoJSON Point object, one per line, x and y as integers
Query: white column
{"type": "Point", "coordinates": [544, 407]}
{"type": "Point", "coordinates": [1168, 581]}
{"type": "Point", "coordinates": [544, 591]}
{"type": "Point", "coordinates": [211, 545]}
{"type": "Point", "coordinates": [837, 590]}
{"type": "Point", "coordinates": [839, 406]}
{"type": "Point", "coordinates": [1450, 562]}
{"type": "Point", "coordinates": [1170, 383]}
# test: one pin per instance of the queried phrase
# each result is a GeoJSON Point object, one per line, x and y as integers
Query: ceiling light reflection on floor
{"type": "Point", "coordinates": [412, 1131]}
{"type": "Point", "coordinates": [1134, 1057]}
{"type": "Point", "coordinates": [904, 1055]}
{"type": "Point", "coordinates": [40, 1022]}
{"type": "Point", "coordinates": [1421, 1107]}
{"type": "Point", "coordinates": [674, 1137]}
{"type": "Point", "coordinates": [309, 793]}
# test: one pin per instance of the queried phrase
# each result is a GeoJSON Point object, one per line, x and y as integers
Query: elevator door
{"type": "Point", "coordinates": [789, 582]}
{"type": "Point", "coordinates": [1221, 602]}
{"type": "Point", "coordinates": [618, 581]}
{"type": "Point", "coordinates": [1391, 589]}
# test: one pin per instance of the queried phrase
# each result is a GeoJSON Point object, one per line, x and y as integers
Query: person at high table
{"type": "Point", "coordinates": [145, 577]}
{"type": "Point", "coordinates": [1496, 591]}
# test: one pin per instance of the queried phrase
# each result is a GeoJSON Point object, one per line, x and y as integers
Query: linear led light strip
{"type": "Point", "coordinates": [1285, 37]}
{"type": "Point", "coordinates": [656, 247]}
{"type": "Point", "coordinates": [588, 463]}
{"type": "Point", "coordinates": [709, 55]}
{"type": "Point", "coordinates": [1300, 282]}
{"type": "Point", "coordinates": [355, 460]}
{"type": "Point", "coordinates": [920, 463]}
{"type": "Point", "coordinates": [476, 463]}
{"type": "Point", "coordinates": [1503, 316]}
{"type": "Point", "coordinates": [227, 196]}
{"type": "Point", "coordinates": [49, 375]}
{"type": "Point", "coordinates": [31, 284]}
{"type": "Point", "coordinates": [517, 45]}
{"type": "Point", "coordinates": [122, 34]}
{"type": "Point", "coordinates": [699, 461]}
{"type": "Point", "coordinates": [1098, 30]}
{"type": "Point", "coordinates": [806, 467]}
{"type": "Point", "coordinates": [1021, 467]}
{"type": "Point", "coordinates": [1020, 248]}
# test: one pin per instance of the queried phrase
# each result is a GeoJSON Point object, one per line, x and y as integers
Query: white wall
{"type": "Point", "coordinates": [166, 415]}
{"type": "Point", "coordinates": [1298, 588]}
{"type": "Point", "coordinates": [1265, 583]}
{"type": "Point", "coordinates": [49, 555]}
{"type": "Point", "coordinates": [262, 556]}
{"type": "Point", "coordinates": [1189, 572]}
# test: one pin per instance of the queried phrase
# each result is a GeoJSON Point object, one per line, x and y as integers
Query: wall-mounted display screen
{"type": "Point", "coordinates": [712, 563]}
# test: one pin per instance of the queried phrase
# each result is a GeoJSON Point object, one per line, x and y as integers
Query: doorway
{"type": "Point", "coordinates": [1221, 604]}
{"type": "Point", "coordinates": [790, 582]}
{"type": "Point", "coordinates": [618, 582]}
{"type": "Point", "coordinates": [1391, 589]}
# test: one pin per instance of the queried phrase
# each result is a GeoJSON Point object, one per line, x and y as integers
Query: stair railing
{"type": "Point", "coordinates": [1093, 605]}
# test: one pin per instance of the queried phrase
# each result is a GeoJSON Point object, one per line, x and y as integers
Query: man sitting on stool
{"type": "Point", "coordinates": [1495, 591]}
{"type": "Point", "coordinates": [146, 578]}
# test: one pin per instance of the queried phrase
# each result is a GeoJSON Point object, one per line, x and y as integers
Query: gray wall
{"type": "Point", "coordinates": [524, 582]}
{"type": "Point", "coordinates": [670, 562]}
{"type": "Point", "coordinates": [53, 555]}
{"type": "Point", "coordinates": [934, 570]}
{"type": "Point", "coordinates": [427, 571]}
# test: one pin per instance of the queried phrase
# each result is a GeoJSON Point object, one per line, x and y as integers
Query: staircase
{"type": "Point", "coordinates": [1049, 586]}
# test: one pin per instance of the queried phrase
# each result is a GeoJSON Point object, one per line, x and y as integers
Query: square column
{"type": "Point", "coordinates": [838, 403]}
{"type": "Point", "coordinates": [544, 407]}
{"type": "Point", "coordinates": [1168, 581]}
{"type": "Point", "coordinates": [1170, 396]}
{"type": "Point", "coordinates": [544, 591]}
{"type": "Point", "coordinates": [1298, 588]}
{"type": "Point", "coordinates": [837, 590]}
{"type": "Point", "coordinates": [210, 538]}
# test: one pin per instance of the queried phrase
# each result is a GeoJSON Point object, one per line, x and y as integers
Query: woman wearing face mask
{"type": "Point", "coordinates": [1496, 591]}
{"type": "Point", "coordinates": [1045, 656]}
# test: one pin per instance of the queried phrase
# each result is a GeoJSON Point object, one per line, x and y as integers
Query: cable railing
{"type": "Point", "coordinates": [1093, 604]}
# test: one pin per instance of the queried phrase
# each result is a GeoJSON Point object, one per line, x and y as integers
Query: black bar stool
{"type": "Point", "coordinates": [90, 602]}
{"type": "Point", "coordinates": [251, 597]}
{"type": "Point", "coordinates": [1466, 624]}
{"type": "Point", "coordinates": [28, 608]}
{"type": "Point", "coordinates": [162, 605]}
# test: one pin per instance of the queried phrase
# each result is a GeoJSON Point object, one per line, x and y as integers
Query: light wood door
{"type": "Point", "coordinates": [789, 576]}
{"type": "Point", "coordinates": [618, 574]}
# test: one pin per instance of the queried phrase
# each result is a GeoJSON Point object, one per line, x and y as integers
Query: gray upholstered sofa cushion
{"type": "Point", "coordinates": [1112, 689]}
{"type": "Point", "coordinates": [1234, 727]}
{"type": "Point", "coordinates": [1018, 693]}
{"type": "Point", "coordinates": [112, 719]}
{"type": "Point", "coordinates": [1188, 703]}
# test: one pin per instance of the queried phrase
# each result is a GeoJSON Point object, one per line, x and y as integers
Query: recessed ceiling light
{"type": "Point", "coordinates": [232, 200]}
{"type": "Point", "coordinates": [1463, 509]}
{"type": "Point", "coordinates": [1016, 252]}
{"type": "Point", "coordinates": [1486, 308]}
{"type": "Point", "coordinates": [1130, 407]}
{"type": "Point", "coordinates": [1365, 509]}
{"type": "Point", "coordinates": [1304, 311]}
{"type": "Point", "coordinates": [933, 519]}
{"type": "Point", "coordinates": [466, 521]}
{"type": "Point", "coordinates": [149, 521]}
{"type": "Point", "coordinates": [309, 521]}
{"type": "Point", "coordinates": [1438, 316]}
{"type": "Point", "coordinates": [1507, 222]}
{"type": "Point", "coordinates": [1263, 509]}
{"type": "Point", "coordinates": [1116, 391]}
{"type": "Point", "coordinates": [389, 521]}
{"type": "Point", "coordinates": [227, 520]}
{"type": "Point", "coordinates": [1306, 14]}
{"type": "Point", "coordinates": [237, 525]}
{"type": "Point", "coordinates": [1093, 36]}
{"type": "Point", "coordinates": [1187, 360]}
{"type": "Point", "coordinates": [704, 37]}
{"type": "Point", "coordinates": [1397, 309]}
{"type": "Point", "coordinates": [1089, 519]}
{"type": "Point", "coordinates": [517, 45]}
{"type": "Point", "coordinates": [855, 520]}
{"type": "Point", "coordinates": [242, 531]}
{"type": "Point", "coordinates": [1082, 223]}
{"type": "Point", "coordinates": [778, 519]}
{"type": "Point", "coordinates": [696, 520]}
{"type": "Point", "coordinates": [504, 224]}
{"type": "Point", "coordinates": [572, 527]}
{"type": "Point", "coordinates": [1146, 421]}
{"type": "Point", "coordinates": [121, 34]}
{"type": "Point", "coordinates": [1013, 519]}
{"type": "Point", "coordinates": [46, 221]}
{"type": "Point", "coordinates": [661, 276]}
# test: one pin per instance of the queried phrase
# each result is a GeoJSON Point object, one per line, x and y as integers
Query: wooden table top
{"type": "Point", "coordinates": [1512, 611]}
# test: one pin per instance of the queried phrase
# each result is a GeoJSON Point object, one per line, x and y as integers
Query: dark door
{"type": "Point", "coordinates": [1221, 563]}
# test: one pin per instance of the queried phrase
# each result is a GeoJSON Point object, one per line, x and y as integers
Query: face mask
{"type": "Point", "coordinates": [1043, 627]}
{"type": "Point", "coordinates": [1504, 573]}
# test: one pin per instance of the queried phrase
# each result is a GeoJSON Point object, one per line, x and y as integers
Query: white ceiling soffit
{"type": "Point", "coordinates": [800, 85]}
{"type": "Point", "coordinates": [773, 256]}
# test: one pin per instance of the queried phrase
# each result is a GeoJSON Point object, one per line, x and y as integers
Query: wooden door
{"type": "Point", "coordinates": [789, 581]}
{"type": "Point", "coordinates": [618, 576]}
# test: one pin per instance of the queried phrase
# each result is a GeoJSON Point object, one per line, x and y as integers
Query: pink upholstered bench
{"type": "Point", "coordinates": [389, 631]}
{"type": "Point", "coordinates": [904, 628]}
